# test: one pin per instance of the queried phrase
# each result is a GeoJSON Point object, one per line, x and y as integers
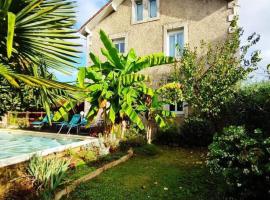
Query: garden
{"type": "Point", "coordinates": [221, 150]}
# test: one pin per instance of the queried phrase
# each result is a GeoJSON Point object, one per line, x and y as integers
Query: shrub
{"type": "Point", "coordinates": [242, 157]}
{"type": "Point", "coordinates": [47, 174]}
{"type": "Point", "coordinates": [88, 155]}
{"type": "Point", "coordinates": [168, 136]}
{"type": "Point", "coordinates": [197, 132]}
{"type": "Point", "coordinates": [251, 107]}
{"type": "Point", "coordinates": [132, 141]}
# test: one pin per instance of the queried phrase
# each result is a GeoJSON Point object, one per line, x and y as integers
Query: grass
{"type": "Point", "coordinates": [172, 174]}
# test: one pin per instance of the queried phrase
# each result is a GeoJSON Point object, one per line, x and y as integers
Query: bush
{"type": "Point", "coordinates": [250, 106]}
{"type": "Point", "coordinates": [47, 174]}
{"type": "Point", "coordinates": [242, 157]}
{"type": "Point", "coordinates": [132, 141]}
{"type": "Point", "coordinates": [197, 132]}
{"type": "Point", "coordinates": [168, 136]}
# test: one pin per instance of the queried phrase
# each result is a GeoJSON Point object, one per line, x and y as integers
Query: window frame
{"type": "Point", "coordinates": [136, 10]}
{"type": "Point", "coordinates": [178, 112]}
{"type": "Point", "coordinates": [120, 41]}
{"type": "Point", "coordinates": [183, 26]}
{"type": "Point", "coordinates": [174, 33]}
{"type": "Point", "coordinates": [149, 9]}
{"type": "Point", "coordinates": [146, 12]}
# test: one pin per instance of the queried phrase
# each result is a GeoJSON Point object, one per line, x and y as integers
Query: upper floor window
{"type": "Point", "coordinates": [175, 42]}
{"type": "Point", "coordinates": [139, 10]}
{"type": "Point", "coordinates": [152, 8]}
{"type": "Point", "coordinates": [145, 10]}
{"type": "Point", "coordinates": [120, 45]}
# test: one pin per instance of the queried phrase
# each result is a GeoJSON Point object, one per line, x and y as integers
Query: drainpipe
{"type": "Point", "coordinates": [87, 105]}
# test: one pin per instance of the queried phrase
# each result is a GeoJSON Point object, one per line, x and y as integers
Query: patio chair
{"type": "Point", "coordinates": [40, 124]}
{"type": "Point", "coordinates": [73, 123]}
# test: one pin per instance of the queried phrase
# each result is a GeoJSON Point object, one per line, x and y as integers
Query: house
{"type": "Point", "coordinates": [151, 26]}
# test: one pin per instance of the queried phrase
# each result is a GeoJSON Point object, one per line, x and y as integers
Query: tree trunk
{"type": "Point", "coordinates": [149, 133]}
{"type": "Point", "coordinates": [123, 128]}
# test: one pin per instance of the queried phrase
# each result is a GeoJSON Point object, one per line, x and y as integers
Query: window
{"type": "Point", "coordinates": [152, 8]}
{"type": "Point", "coordinates": [120, 45]}
{"type": "Point", "coordinates": [139, 10]}
{"type": "Point", "coordinates": [177, 107]}
{"type": "Point", "coordinates": [175, 43]}
{"type": "Point", "coordinates": [145, 11]}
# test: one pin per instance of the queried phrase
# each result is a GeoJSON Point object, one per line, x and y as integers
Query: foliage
{"type": "Point", "coordinates": [171, 92]}
{"type": "Point", "coordinates": [131, 141]}
{"type": "Point", "coordinates": [21, 99]}
{"type": "Point", "coordinates": [34, 30]}
{"type": "Point", "coordinates": [168, 136]}
{"type": "Point", "coordinates": [209, 75]}
{"type": "Point", "coordinates": [250, 106]}
{"type": "Point", "coordinates": [114, 88]}
{"type": "Point", "coordinates": [197, 132]}
{"type": "Point", "coordinates": [33, 35]}
{"type": "Point", "coordinates": [180, 171]}
{"type": "Point", "coordinates": [47, 174]}
{"type": "Point", "coordinates": [242, 157]}
{"type": "Point", "coordinates": [88, 155]}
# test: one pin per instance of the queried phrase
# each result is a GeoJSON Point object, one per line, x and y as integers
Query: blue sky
{"type": "Point", "coordinates": [254, 17]}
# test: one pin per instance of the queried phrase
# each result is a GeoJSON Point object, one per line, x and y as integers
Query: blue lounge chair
{"type": "Point", "coordinates": [74, 123]}
{"type": "Point", "coordinates": [40, 124]}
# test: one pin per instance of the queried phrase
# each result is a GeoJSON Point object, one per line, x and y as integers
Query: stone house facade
{"type": "Point", "coordinates": [152, 26]}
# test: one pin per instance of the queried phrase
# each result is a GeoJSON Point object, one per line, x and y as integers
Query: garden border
{"type": "Point", "coordinates": [68, 189]}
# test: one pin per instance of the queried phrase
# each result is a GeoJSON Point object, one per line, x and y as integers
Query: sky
{"type": "Point", "coordinates": [254, 17]}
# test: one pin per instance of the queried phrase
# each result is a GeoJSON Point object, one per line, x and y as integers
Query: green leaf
{"type": "Point", "coordinates": [133, 116]}
{"type": "Point", "coordinates": [111, 52]}
{"type": "Point", "coordinates": [6, 5]}
{"type": "Point", "coordinates": [10, 35]}
{"type": "Point", "coordinates": [81, 77]}
{"type": "Point", "coordinates": [112, 113]}
{"type": "Point", "coordinates": [28, 8]}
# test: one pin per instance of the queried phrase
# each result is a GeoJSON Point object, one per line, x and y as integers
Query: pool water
{"type": "Point", "coordinates": [12, 145]}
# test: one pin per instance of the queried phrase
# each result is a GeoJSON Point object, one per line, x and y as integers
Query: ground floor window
{"type": "Point", "coordinates": [120, 45]}
{"type": "Point", "coordinates": [177, 107]}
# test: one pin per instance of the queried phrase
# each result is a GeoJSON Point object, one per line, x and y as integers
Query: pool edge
{"type": "Point", "coordinates": [25, 157]}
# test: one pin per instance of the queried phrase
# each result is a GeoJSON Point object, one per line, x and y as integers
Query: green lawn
{"type": "Point", "coordinates": [172, 174]}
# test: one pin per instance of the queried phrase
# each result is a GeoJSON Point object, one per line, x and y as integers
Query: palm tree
{"type": "Point", "coordinates": [36, 32]}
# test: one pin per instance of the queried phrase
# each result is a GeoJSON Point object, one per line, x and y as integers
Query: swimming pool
{"type": "Point", "coordinates": [19, 146]}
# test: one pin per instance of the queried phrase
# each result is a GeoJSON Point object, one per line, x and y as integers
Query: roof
{"type": "Point", "coordinates": [107, 9]}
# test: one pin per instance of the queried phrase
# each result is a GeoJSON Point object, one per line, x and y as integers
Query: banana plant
{"type": "Point", "coordinates": [114, 86]}
{"type": "Point", "coordinates": [153, 110]}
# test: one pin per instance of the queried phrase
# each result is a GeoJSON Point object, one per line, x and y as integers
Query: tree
{"type": "Point", "coordinates": [209, 78]}
{"type": "Point", "coordinates": [114, 88]}
{"type": "Point", "coordinates": [35, 32]}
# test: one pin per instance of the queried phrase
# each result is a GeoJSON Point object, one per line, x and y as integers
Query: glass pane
{"type": "Point", "coordinates": [122, 47]}
{"type": "Point", "coordinates": [172, 45]}
{"type": "Point", "coordinates": [153, 8]}
{"type": "Point", "coordinates": [180, 106]}
{"type": "Point", "coordinates": [180, 43]}
{"type": "Point", "coordinates": [172, 107]}
{"type": "Point", "coordinates": [139, 11]}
